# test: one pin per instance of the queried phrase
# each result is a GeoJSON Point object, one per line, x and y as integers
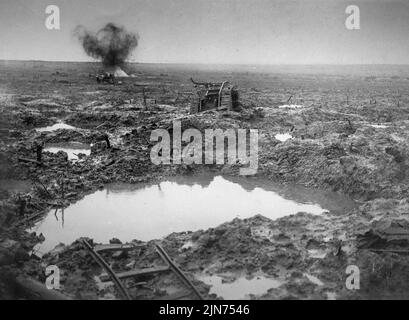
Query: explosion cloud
{"type": "Point", "coordinates": [112, 44]}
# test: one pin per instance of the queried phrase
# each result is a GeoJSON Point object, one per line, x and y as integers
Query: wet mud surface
{"type": "Point", "coordinates": [346, 133]}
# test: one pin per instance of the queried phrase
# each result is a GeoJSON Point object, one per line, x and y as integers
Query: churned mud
{"type": "Point", "coordinates": [330, 190]}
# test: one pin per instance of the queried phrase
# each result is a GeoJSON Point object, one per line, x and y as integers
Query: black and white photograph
{"type": "Point", "coordinates": [204, 150]}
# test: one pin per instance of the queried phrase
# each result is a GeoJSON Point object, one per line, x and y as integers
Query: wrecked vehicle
{"type": "Point", "coordinates": [215, 95]}
{"type": "Point", "coordinates": [105, 77]}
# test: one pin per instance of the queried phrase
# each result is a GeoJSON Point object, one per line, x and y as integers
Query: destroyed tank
{"type": "Point", "coordinates": [105, 77]}
{"type": "Point", "coordinates": [215, 95]}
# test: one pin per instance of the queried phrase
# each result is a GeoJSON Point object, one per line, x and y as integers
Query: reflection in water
{"type": "Point", "coordinates": [62, 216]}
{"type": "Point", "coordinates": [56, 126]}
{"type": "Point", "coordinates": [71, 148]}
{"type": "Point", "coordinates": [151, 212]}
{"type": "Point", "coordinates": [240, 288]}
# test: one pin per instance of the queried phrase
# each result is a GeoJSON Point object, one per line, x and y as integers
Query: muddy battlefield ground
{"type": "Point", "coordinates": [349, 133]}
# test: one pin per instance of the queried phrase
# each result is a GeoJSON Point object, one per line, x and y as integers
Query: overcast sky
{"type": "Point", "coordinates": [216, 31]}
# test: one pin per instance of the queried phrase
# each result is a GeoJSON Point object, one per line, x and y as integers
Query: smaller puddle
{"type": "Point", "coordinates": [240, 288]}
{"type": "Point", "coordinates": [71, 148]}
{"type": "Point", "coordinates": [187, 245]}
{"type": "Point", "coordinates": [331, 295]}
{"type": "Point", "coordinates": [317, 254]}
{"type": "Point", "coordinates": [283, 136]}
{"type": "Point", "coordinates": [102, 285]}
{"type": "Point", "coordinates": [56, 126]}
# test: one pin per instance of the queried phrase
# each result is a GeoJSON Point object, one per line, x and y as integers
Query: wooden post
{"type": "Point", "coordinates": [106, 138]}
{"type": "Point", "coordinates": [22, 206]}
{"type": "Point", "coordinates": [39, 150]}
{"type": "Point", "coordinates": [144, 98]}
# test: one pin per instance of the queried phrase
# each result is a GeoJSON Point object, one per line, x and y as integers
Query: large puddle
{"type": "Point", "coordinates": [73, 149]}
{"type": "Point", "coordinates": [147, 212]}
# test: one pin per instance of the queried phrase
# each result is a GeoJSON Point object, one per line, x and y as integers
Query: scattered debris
{"type": "Point", "coordinates": [359, 148]}
{"type": "Point", "coordinates": [108, 269]}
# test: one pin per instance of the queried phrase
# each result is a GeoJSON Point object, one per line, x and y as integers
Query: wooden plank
{"type": "Point", "coordinates": [107, 269]}
{"type": "Point", "coordinates": [29, 160]}
{"type": "Point", "coordinates": [176, 296]}
{"type": "Point", "coordinates": [135, 273]}
{"type": "Point", "coordinates": [162, 253]}
{"type": "Point", "coordinates": [33, 216]}
{"type": "Point", "coordinates": [389, 250]}
{"type": "Point", "coordinates": [115, 247]}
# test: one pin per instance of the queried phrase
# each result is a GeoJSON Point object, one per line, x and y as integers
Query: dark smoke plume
{"type": "Point", "coordinates": [112, 44]}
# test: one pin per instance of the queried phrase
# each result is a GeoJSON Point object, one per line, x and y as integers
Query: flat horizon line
{"type": "Point", "coordinates": [216, 64]}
